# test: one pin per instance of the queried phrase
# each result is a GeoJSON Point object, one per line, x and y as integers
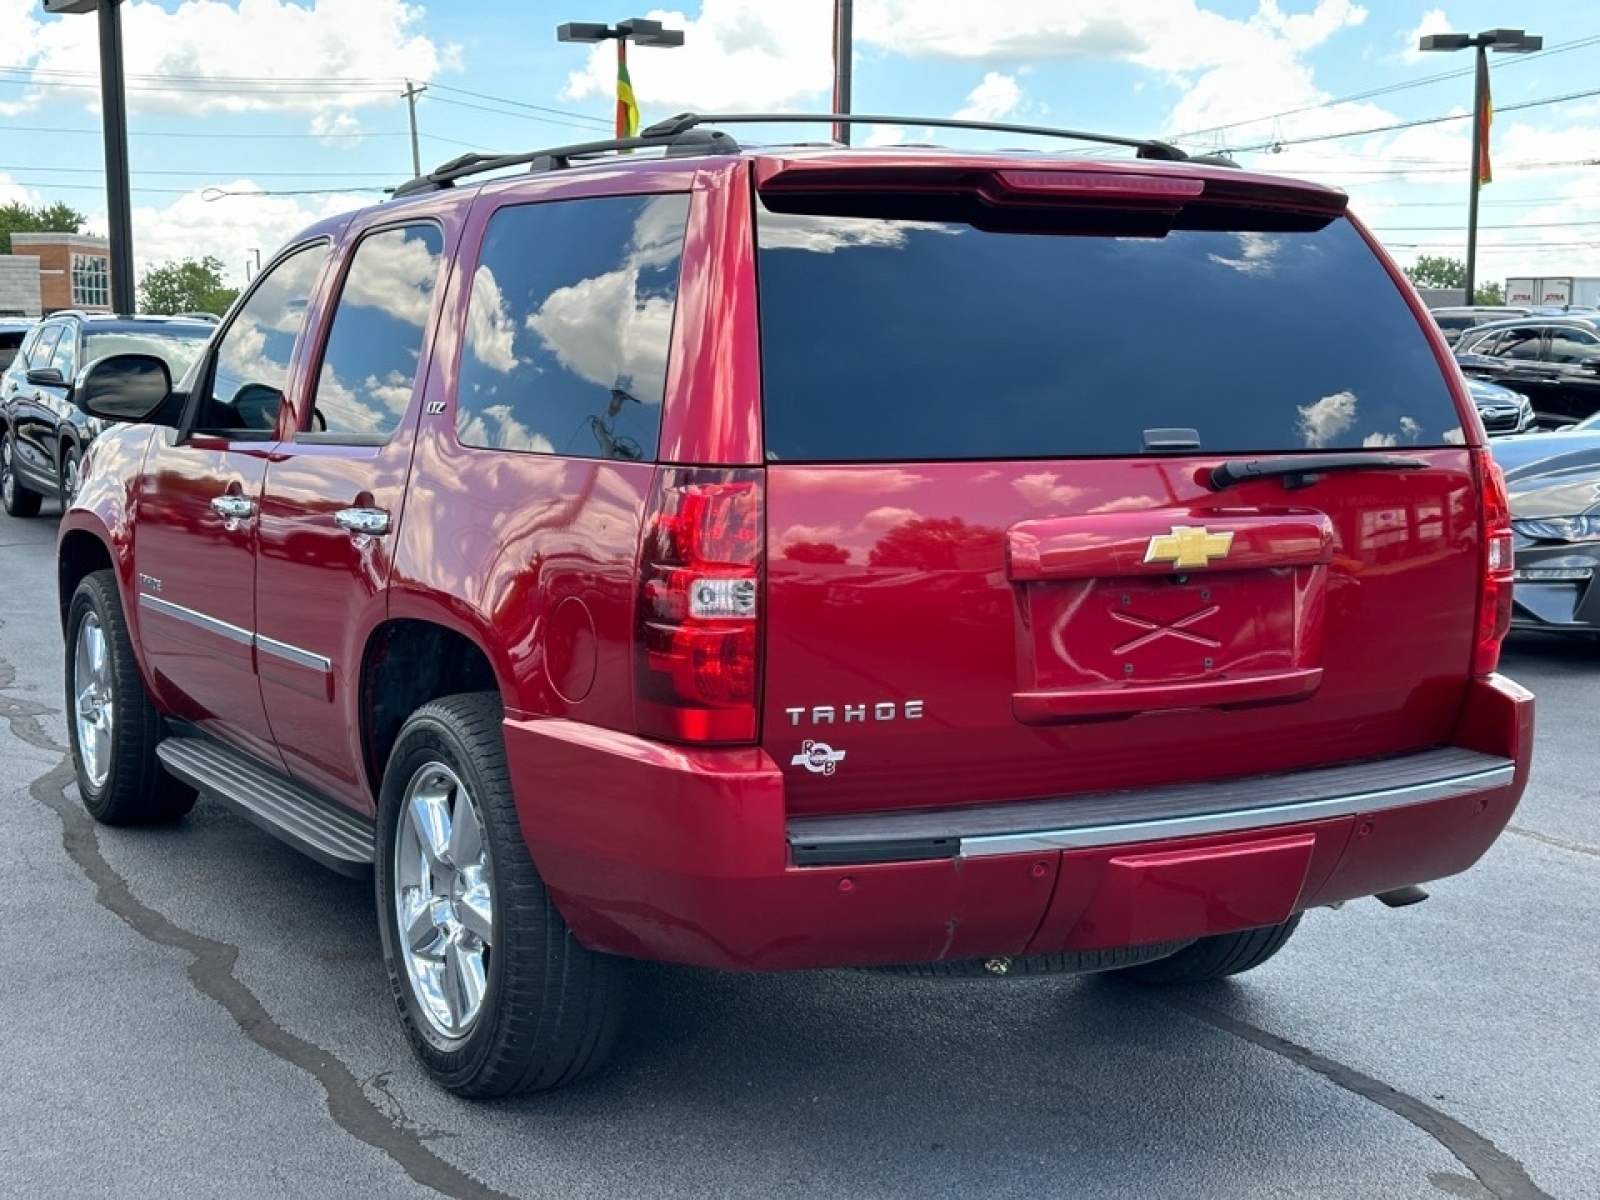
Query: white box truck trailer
{"type": "Point", "coordinates": [1554, 291]}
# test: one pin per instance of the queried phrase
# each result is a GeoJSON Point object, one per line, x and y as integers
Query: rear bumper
{"type": "Point", "coordinates": [688, 856]}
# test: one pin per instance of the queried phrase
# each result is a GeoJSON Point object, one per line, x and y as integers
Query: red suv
{"type": "Point", "coordinates": [805, 557]}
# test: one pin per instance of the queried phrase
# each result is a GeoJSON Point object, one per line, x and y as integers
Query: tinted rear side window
{"type": "Point", "coordinates": [917, 340]}
{"type": "Point", "coordinates": [569, 326]}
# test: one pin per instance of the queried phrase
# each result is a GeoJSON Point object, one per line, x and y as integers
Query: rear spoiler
{"type": "Point", "coordinates": [1000, 184]}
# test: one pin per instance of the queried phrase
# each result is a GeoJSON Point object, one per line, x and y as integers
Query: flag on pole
{"type": "Point", "coordinates": [627, 106]}
{"type": "Point", "coordinates": [1482, 120]}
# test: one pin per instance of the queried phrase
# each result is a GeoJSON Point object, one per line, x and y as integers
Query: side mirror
{"type": "Point", "coordinates": [1590, 364]}
{"type": "Point", "coordinates": [123, 387]}
{"type": "Point", "coordinates": [45, 377]}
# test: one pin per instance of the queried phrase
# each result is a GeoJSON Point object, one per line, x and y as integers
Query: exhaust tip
{"type": "Point", "coordinates": [1402, 896]}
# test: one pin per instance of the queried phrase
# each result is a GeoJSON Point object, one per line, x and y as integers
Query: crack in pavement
{"type": "Point", "coordinates": [211, 971]}
{"type": "Point", "coordinates": [1502, 1175]}
{"type": "Point", "coordinates": [1558, 843]}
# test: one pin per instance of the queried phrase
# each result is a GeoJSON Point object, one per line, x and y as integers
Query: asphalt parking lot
{"type": "Point", "coordinates": [199, 1011]}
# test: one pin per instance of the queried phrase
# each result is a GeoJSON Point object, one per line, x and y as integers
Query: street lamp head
{"type": "Point", "coordinates": [636, 30]}
{"type": "Point", "coordinates": [583, 31]}
{"type": "Point", "coordinates": [648, 33]}
{"type": "Point", "coordinates": [1511, 41]}
{"type": "Point", "coordinates": [1504, 41]}
{"type": "Point", "coordinates": [664, 37]}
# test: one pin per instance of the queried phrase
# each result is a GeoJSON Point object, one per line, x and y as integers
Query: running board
{"type": "Point", "coordinates": [334, 836]}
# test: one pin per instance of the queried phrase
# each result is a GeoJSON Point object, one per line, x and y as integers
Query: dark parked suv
{"type": "Point", "coordinates": [1553, 360]}
{"type": "Point", "coordinates": [43, 434]}
{"type": "Point", "coordinates": [787, 558]}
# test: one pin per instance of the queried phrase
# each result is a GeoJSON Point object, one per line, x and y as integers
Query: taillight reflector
{"type": "Point", "coordinates": [698, 616]}
{"type": "Point", "coordinates": [1494, 609]}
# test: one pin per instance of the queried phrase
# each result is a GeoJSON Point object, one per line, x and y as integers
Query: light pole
{"type": "Point", "coordinates": [634, 29]}
{"type": "Point", "coordinates": [1507, 41]}
{"type": "Point", "coordinates": [843, 39]}
{"type": "Point", "coordinates": [113, 102]}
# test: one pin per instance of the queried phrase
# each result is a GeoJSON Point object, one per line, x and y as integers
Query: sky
{"type": "Point", "coordinates": [249, 119]}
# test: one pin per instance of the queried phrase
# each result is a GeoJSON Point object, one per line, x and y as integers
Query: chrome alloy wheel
{"type": "Point", "coordinates": [93, 701]}
{"type": "Point", "coordinates": [443, 899]}
{"type": "Point", "coordinates": [8, 480]}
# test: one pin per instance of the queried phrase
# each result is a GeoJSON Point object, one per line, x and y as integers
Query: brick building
{"type": "Point", "coordinates": [49, 271]}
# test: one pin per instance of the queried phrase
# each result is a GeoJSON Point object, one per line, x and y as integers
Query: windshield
{"type": "Point", "coordinates": [929, 340]}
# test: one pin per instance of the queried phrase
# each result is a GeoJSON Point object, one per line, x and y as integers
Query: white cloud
{"type": "Point", "coordinates": [261, 56]}
{"type": "Point", "coordinates": [1433, 21]}
{"type": "Point", "coordinates": [1166, 35]}
{"type": "Point", "coordinates": [232, 227]}
{"type": "Point", "coordinates": [735, 55]}
{"type": "Point", "coordinates": [12, 192]}
{"type": "Point", "coordinates": [336, 128]}
{"type": "Point", "coordinates": [871, 482]}
{"type": "Point", "coordinates": [1045, 490]}
{"type": "Point", "coordinates": [996, 97]}
{"type": "Point", "coordinates": [1322, 423]}
{"type": "Point", "coordinates": [602, 329]}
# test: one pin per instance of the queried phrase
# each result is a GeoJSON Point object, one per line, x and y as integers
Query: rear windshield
{"type": "Point", "coordinates": [923, 340]}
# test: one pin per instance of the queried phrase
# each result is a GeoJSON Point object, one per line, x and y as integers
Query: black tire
{"type": "Point", "coordinates": [120, 779]}
{"type": "Point", "coordinates": [70, 462]}
{"type": "Point", "coordinates": [547, 1010]}
{"type": "Point", "coordinates": [17, 500]}
{"type": "Point", "coordinates": [1215, 957]}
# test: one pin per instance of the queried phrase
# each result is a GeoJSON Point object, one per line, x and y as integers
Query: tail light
{"type": "Point", "coordinates": [697, 634]}
{"type": "Point", "coordinates": [1494, 609]}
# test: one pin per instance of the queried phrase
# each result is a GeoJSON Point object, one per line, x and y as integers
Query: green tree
{"type": "Point", "coordinates": [54, 218]}
{"type": "Point", "coordinates": [193, 285]}
{"type": "Point", "coordinates": [1436, 271]}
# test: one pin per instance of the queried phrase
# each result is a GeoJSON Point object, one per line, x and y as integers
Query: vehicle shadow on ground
{"type": "Point", "coordinates": [1576, 651]}
{"type": "Point", "coordinates": [805, 1083]}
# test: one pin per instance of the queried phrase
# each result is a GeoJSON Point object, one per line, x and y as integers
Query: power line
{"type": "Point", "coordinates": [1331, 137]}
{"type": "Point", "coordinates": [604, 122]}
{"type": "Point", "coordinates": [298, 85]}
{"type": "Point", "coordinates": [208, 172]}
{"type": "Point", "coordinates": [1457, 73]}
{"type": "Point", "coordinates": [145, 133]}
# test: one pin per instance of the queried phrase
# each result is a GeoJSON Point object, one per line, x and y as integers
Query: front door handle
{"type": "Point", "coordinates": [234, 507]}
{"type": "Point", "coordinates": [373, 521]}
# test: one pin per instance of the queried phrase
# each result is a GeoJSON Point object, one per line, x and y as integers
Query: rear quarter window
{"type": "Point", "coordinates": [569, 326]}
{"type": "Point", "coordinates": [923, 340]}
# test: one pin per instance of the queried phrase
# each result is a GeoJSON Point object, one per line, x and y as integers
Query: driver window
{"type": "Point", "coordinates": [61, 358]}
{"type": "Point", "coordinates": [252, 356]}
{"type": "Point", "coordinates": [44, 345]}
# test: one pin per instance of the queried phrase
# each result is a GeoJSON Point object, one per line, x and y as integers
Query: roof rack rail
{"type": "Point", "coordinates": [684, 122]}
{"type": "Point", "coordinates": [686, 143]}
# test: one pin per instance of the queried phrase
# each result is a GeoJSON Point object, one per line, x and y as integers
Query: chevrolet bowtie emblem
{"type": "Point", "coordinates": [1188, 546]}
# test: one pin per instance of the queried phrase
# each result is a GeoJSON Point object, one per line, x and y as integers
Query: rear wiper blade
{"type": "Point", "coordinates": [1302, 470]}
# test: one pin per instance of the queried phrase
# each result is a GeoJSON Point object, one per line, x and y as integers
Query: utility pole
{"type": "Point", "coordinates": [411, 93]}
{"type": "Point", "coordinates": [114, 105]}
{"type": "Point", "coordinates": [842, 51]}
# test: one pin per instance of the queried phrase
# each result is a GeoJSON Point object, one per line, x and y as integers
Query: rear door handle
{"type": "Point", "coordinates": [373, 521]}
{"type": "Point", "coordinates": [234, 507]}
